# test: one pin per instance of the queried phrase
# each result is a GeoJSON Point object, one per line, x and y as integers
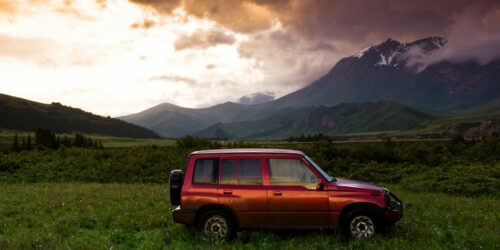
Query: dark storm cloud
{"type": "Point", "coordinates": [471, 27]}
{"type": "Point", "coordinates": [352, 20]}
{"type": "Point", "coordinates": [202, 39]}
{"type": "Point", "coordinates": [474, 36]}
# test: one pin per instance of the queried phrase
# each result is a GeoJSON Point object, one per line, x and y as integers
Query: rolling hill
{"type": "Point", "coordinates": [342, 118]}
{"type": "Point", "coordinates": [492, 107]}
{"type": "Point", "coordinates": [22, 114]}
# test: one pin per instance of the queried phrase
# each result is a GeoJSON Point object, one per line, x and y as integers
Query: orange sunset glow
{"type": "Point", "coordinates": [116, 57]}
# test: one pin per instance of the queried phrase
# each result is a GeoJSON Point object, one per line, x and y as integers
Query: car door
{"type": "Point", "coordinates": [292, 196]}
{"type": "Point", "coordinates": [241, 189]}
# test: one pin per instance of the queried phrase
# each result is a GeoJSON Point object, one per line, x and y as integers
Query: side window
{"type": "Point", "coordinates": [290, 172]}
{"type": "Point", "coordinates": [249, 172]}
{"type": "Point", "coordinates": [241, 172]}
{"type": "Point", "coordinates": [206, 171]}
{"type": "Point", "coordinates": [228, 172]}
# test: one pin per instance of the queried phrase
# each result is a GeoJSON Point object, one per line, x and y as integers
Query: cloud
{"type": "Point", "coordinates": [27, 48]}
{"type": "Point", "coordinates": [47, 52]}
{"type": "Point", "coordinates": [210, 66]}
{"type": "Point", "coordinates": [356, 21]}
{"type": "Point", "coordinates": [163, 6]}
{"type": "Point", "coordinates": [145, 24]}
{"type": "Point", "coordinates": [67, 7]}
{"type": "Point", "coordinates": [202, 39]}
{"type": "Point", "coordinates": [174, 78]}
{"type": "Point", "coordinates": [7, 6]}
{"type": "Point", "coordinates": [473, 36]}
{"type": "Point", "coordinates": [287, 62]}
{"type": "Point", "coordinates": [256, 98]}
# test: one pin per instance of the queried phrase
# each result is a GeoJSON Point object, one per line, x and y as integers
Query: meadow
{"type": "Point", "coordinates": [122, 216]}
{"type": "Point", "coordinates": [90, 198]}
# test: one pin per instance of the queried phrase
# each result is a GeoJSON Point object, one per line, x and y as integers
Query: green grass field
{"type": "Point", "coordinates": [122, 216]}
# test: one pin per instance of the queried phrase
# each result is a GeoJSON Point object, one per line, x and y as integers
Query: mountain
{"type": "Point", "coordinates": [21, 114]}
{"type": "Point", "coordinates": [382, 72]}
{"type": "Point", "coordinates": [170, 120]}
{"type": "Point", "coordinates": [342, 118]}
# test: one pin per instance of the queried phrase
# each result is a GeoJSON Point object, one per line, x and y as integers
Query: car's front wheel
{"type": "Point", "coordinates": [360, 224]}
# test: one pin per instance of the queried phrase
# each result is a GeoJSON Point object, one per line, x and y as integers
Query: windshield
{"type": "Point", "coordinates": [321, 171]}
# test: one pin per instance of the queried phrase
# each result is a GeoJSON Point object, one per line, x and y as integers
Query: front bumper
{"type": "Point", "coordinates": [394, 207]}
{"type": "Point", "coordinates": [182, 216]}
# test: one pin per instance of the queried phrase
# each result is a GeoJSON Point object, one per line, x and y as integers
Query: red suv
{"type": "Point", "coordinates": [226, 189]}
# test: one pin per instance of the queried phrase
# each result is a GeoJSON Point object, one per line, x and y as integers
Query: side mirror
{"type": "Point", "coordinates": [320, 186]}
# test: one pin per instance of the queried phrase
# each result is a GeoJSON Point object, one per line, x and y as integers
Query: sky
{"type": "Point", "coordinates": [116, 57]}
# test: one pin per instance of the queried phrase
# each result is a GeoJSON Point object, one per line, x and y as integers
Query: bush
{"type": "Point", "coordinates": [469, 168]}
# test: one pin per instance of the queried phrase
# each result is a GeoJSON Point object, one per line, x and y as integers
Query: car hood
{"type": "Point", "coordinates": [345, 184]}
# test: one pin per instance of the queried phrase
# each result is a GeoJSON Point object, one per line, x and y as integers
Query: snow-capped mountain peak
{"type": "Point", "coordinates": [392, 53]}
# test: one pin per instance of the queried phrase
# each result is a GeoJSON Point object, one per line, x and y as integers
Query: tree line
{"type": "Point", "coordinates": [310, 138]}
{"type": "Point", "coordinates": [46, 139]}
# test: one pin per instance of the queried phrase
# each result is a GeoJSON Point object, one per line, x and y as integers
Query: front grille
{"type": "Point", "coordinates": [392, 202]}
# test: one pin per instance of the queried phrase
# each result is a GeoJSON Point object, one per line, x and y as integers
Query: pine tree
{"type": "Point", "coordinates": [28, 142]}
{"type": "Point", "coordinates": [23, 144]}
{"type": "Point", "coordinates": [15, 145]}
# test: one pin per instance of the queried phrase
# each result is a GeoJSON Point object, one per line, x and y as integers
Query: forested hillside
{"type": "Point", "coordinates": [21, 114]}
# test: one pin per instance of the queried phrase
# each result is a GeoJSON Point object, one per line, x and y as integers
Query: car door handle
{"type": "Point", "coordinates": [228, 192]}
{"type": "Point", "coordinates": [277, 193]}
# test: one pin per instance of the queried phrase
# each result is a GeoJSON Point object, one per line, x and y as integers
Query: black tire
{"type": "Point", "coordinates": [176, 180]}
{"type": "Point", "coordinates": [218, 224]}
{"type": "Point", "coordinates": [361, 223]}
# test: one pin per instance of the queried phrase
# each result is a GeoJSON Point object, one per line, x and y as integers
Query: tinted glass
{"type": "Point", "coordinates": [228, 172]}
{"type": "Point", "coordinates": [206, 171]}
{"type": "Point", "coordinates": [249, 172]}
{"type": "Point", "coordinates": [290, 172]}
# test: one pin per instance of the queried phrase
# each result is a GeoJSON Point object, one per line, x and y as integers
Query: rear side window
{"type": "Point", "coordinates": [206, 171]}
{"type": "Point", "coordinates": [241, 172]}
{"type": "Point", "coordinates": [290, 172]}
{"type": "Point", "coordinates": [228, 172]}
{"type": "Point", "coordinates": [249, 172]}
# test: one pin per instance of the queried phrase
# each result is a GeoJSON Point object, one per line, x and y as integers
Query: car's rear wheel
{"type": "Point", "coordinates": [218, 224]}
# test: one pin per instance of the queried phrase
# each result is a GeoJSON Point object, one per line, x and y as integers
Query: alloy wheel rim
{"type": "Point", "coordinates": [362, 227]}
{"type": "Point", "coordinates": [216, 226]}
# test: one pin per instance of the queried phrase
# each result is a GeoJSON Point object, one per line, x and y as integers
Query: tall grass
{"type": "Point", "coordinates": [122, 216]}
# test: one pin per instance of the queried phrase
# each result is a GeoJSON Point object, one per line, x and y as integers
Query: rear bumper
{"type": "Point", "coordinates": [183, 216]}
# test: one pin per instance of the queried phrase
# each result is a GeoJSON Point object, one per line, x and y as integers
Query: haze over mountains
{"type": "Point", "coordinates": [384, 87]}
{"type": "Point", "coordinates": [256, 98]}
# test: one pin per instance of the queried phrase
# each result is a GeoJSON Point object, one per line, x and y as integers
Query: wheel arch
{"type": "Point", "coordinates": [367, 206]}
{"type": "Point", "coordinates": [209, 207]}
